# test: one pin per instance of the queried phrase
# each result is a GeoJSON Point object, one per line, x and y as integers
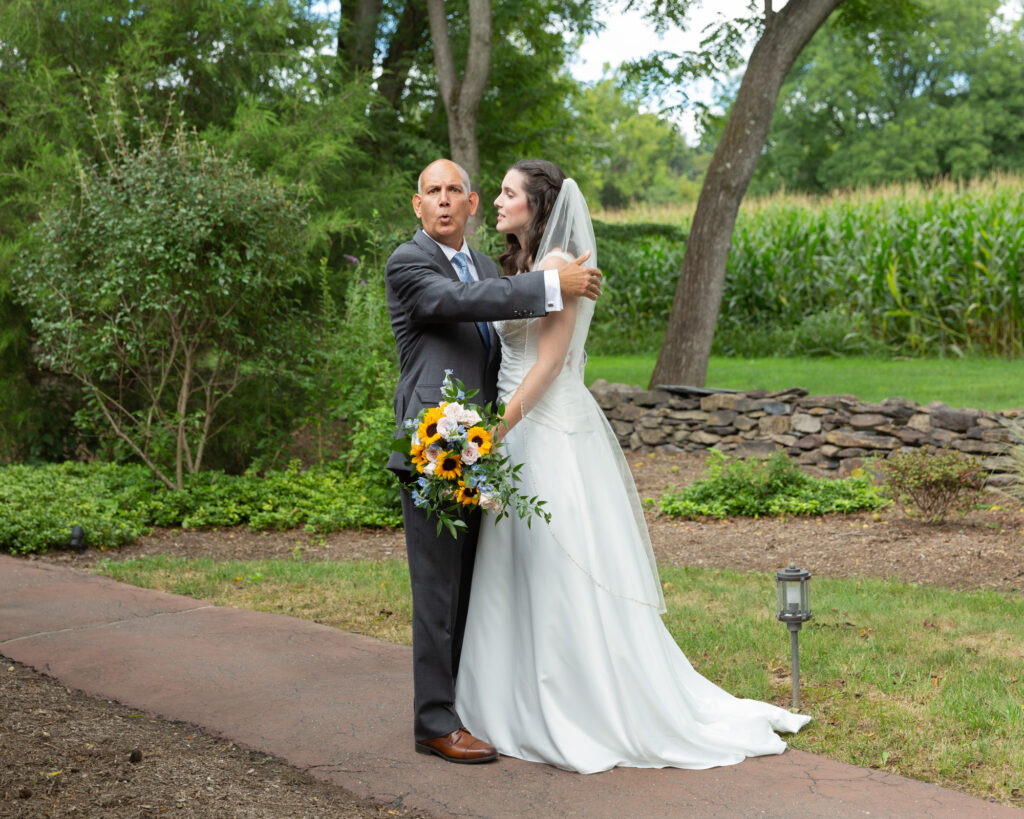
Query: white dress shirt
{"type": "Point", "coordinates": [552, 287]}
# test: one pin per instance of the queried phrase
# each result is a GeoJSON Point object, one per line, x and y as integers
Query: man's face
{"type": "Point", "coordinates": [444, 207]}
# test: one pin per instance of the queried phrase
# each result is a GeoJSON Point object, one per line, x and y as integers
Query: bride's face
{"type": "Point", "coordinates": [513, 210]}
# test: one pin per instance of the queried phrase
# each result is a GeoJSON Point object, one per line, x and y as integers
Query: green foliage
{"type": "Point", "coordinates": [633, 156]}
{"type": "Point", "coordinates": [641, 264]}
{"type": "Point", "coordinates": [933, 483]}
{"type": "Point", "coordinates": [911, 271]}
{"type": "Point", "coordinates": [869, 102]}
{"type": "Point", "coordinates": [116, 504]}
{"type": "Point", "coordinates": [166, 283]}
{"type": "Point", "coordinates": [773, 487]}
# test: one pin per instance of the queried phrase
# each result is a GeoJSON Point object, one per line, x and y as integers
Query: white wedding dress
{"type": "Point", "coordinates": [566, 659]}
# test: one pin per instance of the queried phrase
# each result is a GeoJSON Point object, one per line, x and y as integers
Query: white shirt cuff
{"type": "Point", "coordinates": [552, 291]}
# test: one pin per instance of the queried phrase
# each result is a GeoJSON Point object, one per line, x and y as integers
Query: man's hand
{"type": "Point", "coordinates": [576, 280]}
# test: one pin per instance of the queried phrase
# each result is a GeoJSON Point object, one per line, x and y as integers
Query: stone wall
{"type": "Point", "coordinates": [831, 433]}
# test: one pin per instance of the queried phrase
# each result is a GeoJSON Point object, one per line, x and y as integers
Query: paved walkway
{"type": "Point", "coordinates": [339, 705]}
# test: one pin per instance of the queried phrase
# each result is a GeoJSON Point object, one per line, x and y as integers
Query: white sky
{"type": "Point", "coordinates": [627, 36]}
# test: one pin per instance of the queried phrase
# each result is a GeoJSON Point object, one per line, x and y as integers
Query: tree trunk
{"type": "Point", "coordinates": [462, 97]}
{"type": "Point", "coordinates": [412, 29]}
{"type": "Point", "coordinates": [357, 32]}
{"type": "Point", "coordinates": [683, 359]}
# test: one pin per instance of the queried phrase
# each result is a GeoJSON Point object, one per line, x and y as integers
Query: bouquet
{"type": "Point", "coordinates": [460, 464]}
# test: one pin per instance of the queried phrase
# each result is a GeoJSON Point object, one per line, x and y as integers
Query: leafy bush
{"type": "Point", "coordinates": [164, 285]}
{"type": "Point", "coordinates": [776, 486]}
{"type": "Point", "coordinates": [934, 483]}
{"type": "Point", "coordinates": [115, 504]}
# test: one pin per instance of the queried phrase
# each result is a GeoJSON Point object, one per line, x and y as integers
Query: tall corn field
{"type": "Point", "coordinates": [908, 270]}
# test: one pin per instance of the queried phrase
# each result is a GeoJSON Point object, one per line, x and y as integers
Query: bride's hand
{"type": "Point", "coordinates": [576, 280]}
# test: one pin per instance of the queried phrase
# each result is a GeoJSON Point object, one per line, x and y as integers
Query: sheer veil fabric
{"type": "Point", "coordinates": [568, 406]}
{"type": "Point", "coordinates": [566, 659]}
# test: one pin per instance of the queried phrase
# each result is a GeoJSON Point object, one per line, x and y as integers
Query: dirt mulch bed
{"type": "Point", "coordinates": [65, 754]}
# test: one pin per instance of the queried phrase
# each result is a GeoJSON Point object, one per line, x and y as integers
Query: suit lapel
{"type": "Point", "coordinates": [431, 248]}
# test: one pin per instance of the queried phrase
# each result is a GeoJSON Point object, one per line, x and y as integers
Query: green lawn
{"type": "Point", "coordinates": [919, 681]}
{"type": "Point", "coordinates": [978, 383]}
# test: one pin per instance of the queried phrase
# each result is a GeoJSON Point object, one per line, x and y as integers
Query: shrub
{"type": "Point", "coordinates": [776, 486]}
{"type": "Point", "coordinates": [167, 283]}
{"type": "Point", "coordinates": [933, 483]}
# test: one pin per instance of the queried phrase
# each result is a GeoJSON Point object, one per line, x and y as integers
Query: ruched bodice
{"type": "Point", "coordinates": [567, 402]}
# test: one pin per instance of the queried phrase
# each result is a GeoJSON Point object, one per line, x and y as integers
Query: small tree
{"type": "Point", "coordinates": [165, 283]}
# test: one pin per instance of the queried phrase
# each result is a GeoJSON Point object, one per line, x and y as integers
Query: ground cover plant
{"type": "Point", "coordinates": [920, 681]}
{"type": "Point", "coordinates": [115, 504]}
{"type": "Point", "coordinates": [775, 486]}
{"type": "Point", "coordinates": [979, 383]}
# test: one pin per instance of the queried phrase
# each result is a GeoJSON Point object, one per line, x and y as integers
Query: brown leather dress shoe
{"type": "Point", "coordinates": [459, 746]}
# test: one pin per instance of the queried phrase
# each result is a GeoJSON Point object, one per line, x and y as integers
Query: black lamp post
{"type": "Point", "coordinates": [793, 610]}
{"type": "Point", "coordinates": [77, 541]}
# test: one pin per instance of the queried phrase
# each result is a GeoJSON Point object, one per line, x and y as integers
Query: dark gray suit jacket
{"type": "Point", "coordinates": [433, 316]}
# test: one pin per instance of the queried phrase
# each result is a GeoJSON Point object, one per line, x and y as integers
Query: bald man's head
{"type": "Point", "coordinates": [444, 202]}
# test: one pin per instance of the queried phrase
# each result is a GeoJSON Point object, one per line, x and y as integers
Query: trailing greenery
{"type": "Point", "coordinates": [933, 484]}
{"type": "Point", "coordinates": [116, 504]}
{"type": "Point", "coordinates": [920, 682]}
{"type": "Point", "coordinates": [776, 486]}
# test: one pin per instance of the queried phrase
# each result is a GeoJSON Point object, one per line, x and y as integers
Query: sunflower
{"type": "Point", "coordinates": [428, 426]}
{"type": "Point", "coordinates": [419, 459]}
{"type": "Point", "coordinates": [481, 437]}
{"type": "Point", "coordinates": [449, 465]}
{"type": "Point", "coordinates": [467, 495]}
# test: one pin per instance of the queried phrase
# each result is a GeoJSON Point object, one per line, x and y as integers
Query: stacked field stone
{"type": "Point", "coordinates": [834, 433]}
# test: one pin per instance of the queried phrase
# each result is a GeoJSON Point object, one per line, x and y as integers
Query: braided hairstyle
{"type": "Point", "coordinates": [542, 180]}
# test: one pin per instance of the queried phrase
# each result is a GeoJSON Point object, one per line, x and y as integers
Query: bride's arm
{"type": "Point", "coordinates": [552, 347]}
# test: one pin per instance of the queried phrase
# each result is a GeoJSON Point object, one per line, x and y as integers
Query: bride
{"type": "Point", "coordinates": [566, 659]}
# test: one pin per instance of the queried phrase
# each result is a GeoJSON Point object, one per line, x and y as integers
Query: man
{"type": "Point", "coordinates": [441, 294]}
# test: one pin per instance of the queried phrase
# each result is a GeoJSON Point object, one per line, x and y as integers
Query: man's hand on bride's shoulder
{"type": "Point", "coordinates": [575, 279]}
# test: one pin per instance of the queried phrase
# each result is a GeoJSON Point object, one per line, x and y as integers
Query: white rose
{"type": "Point", "coordinates": [433, 452]}
{"type": "Point", "coordinates": [429, 468]}
{"type": "Point", "coordinates": [492, 503]}
{"type": "Point", "coordinates": [469, 418]}
{"type": "Point", "coordinates": [447, 426]}
{"type": "Point", "coordinates": [471, 453]}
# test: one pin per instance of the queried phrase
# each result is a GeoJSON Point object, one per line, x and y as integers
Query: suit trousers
{"type": "Point", "coordinates": [441, 572]}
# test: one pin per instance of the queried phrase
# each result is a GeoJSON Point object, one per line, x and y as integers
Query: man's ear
{"type": "Point", "coordinates": [416, 200]}
{"type": "Point", "coordinates": [474, 203]}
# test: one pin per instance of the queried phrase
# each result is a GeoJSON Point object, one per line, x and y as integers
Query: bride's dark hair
{"type": "Point", "coordinates": [542, 180]}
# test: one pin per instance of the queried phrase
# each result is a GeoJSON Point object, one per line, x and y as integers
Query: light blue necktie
{"type": "Point", "coordinates": [462, 267]}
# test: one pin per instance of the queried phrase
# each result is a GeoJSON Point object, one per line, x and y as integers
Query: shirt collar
{"type": "Point", "coordinates": [450, 252]}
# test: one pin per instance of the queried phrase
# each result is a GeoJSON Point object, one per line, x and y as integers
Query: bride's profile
{"type": "Point", "coordinates": [566, 659]}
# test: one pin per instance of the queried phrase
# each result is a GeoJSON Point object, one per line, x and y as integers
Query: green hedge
{"type": "Point", "coordinates": [115, 504]}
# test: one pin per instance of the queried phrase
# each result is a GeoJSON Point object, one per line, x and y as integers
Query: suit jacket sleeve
{"type": "Point", "coordinates": [429, 294]}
